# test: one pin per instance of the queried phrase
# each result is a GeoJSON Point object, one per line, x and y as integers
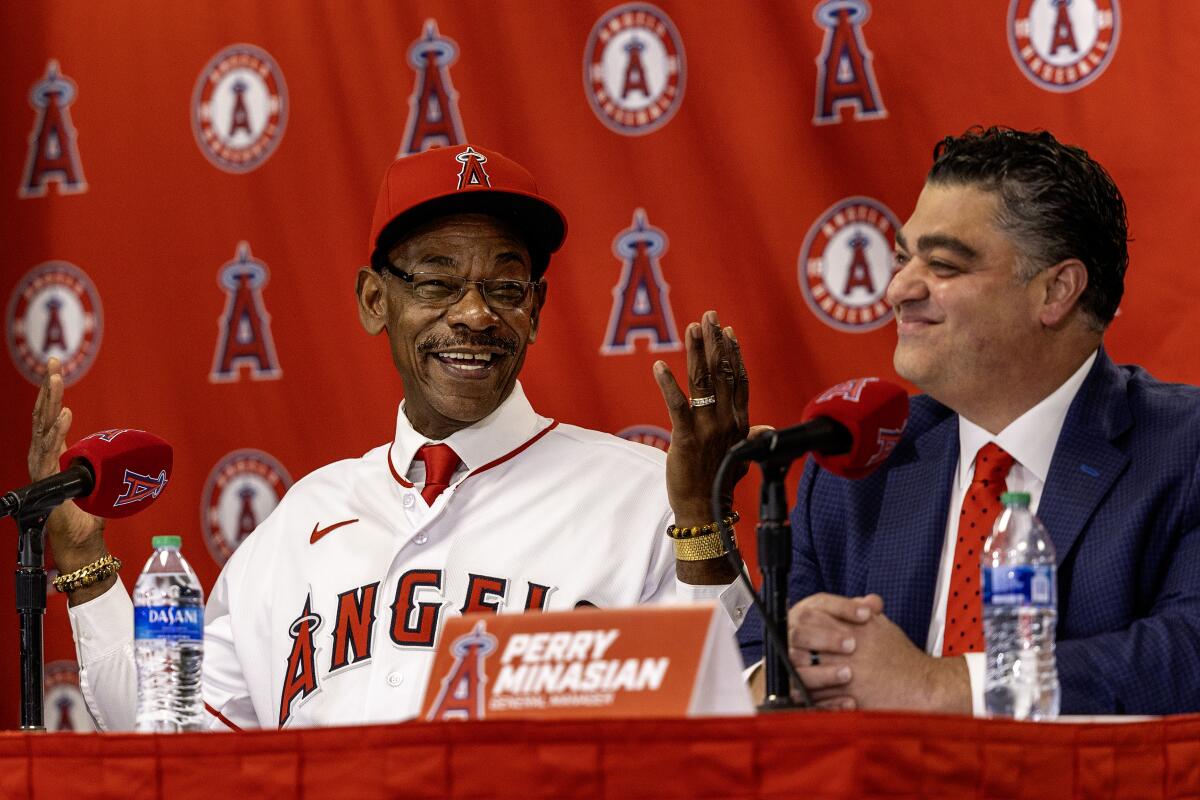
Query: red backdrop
{"type": "Point", "coordinates": [141, 144]}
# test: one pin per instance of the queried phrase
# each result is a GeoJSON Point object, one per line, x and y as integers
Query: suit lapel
{"type": "Point", "coordinates": [907, 545]}
{"type": "Point", "coordinates": [1085, 463]}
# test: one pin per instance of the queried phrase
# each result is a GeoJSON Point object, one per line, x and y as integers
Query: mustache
{"type": "Point", "coordinates": [434, 343]}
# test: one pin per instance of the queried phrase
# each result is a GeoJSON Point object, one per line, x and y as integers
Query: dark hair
{"type": "Point", "coordinates": [1056, 203]}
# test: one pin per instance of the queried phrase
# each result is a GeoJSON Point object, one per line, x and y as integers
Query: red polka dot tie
{"type": "Point", "coordinates": [981, 506]}
{"type": "Point", "coordinates": [440, 463]}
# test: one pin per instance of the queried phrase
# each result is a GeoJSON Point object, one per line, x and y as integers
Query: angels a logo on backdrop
{"type": "Point", "coordinates": [241, 490]}
{"type": "Point", "coordinates": [239, 108]}
{"type": "Point", "coordinates": [647, 434]}
{"type": "Point", "coordinates": [846, 263]}
{"type": "Point", "coordinates": [244, 327]}
{"type": "Point", "coordinates": [845, 76]}
{"type": "Point", "coordinates": [641, 308]}
{"type": "Point", "coordinates": [54, 311]}
{"type": "Point", "coordinates": [1063, 45]}
{"type": "Point", "coordinates": [63, 700]}
{"type": "Point", "coordinates": [53, 154]}
{"type": "Point", "coordinates": [433, 119]}
{"type": "Point", "coordinates": [634, 70]}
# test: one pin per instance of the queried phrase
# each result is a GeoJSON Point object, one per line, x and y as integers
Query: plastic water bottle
{"type": "Point", "coordinates": [168, 634]}
{"type": "Point", "coordinates": [1020, 599]}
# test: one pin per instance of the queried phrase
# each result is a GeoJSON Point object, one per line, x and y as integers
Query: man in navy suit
{"type": "Point", "coordinates": [1009, 270]}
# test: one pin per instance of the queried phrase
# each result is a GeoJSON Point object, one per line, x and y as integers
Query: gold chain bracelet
{"type": "Point", "coordinates": [88, 574]}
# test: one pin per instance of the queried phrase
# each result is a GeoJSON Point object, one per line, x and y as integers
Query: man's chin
{"type": "Point", "coordinates": [911, 366]}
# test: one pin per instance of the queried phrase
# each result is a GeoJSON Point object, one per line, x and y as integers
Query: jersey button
{"type": "Point", "coordinates": [395, 679]}
{"type": "Point", "coordinates": [420, 538]}
{"type": "Point", "coordinates": [408, 501]}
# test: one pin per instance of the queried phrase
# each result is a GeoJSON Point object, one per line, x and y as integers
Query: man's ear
{"type": "Point", "coordinates": [1065, 283]}
{"type": "Point", "coordinates": [535, 311]}
{"type": "Point", "coordinates": [372, 300]}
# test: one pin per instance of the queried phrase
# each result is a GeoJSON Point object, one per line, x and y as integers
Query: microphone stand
{"type": "Point", "coordinates": [31, 609]}
{"type": "Point", "coordinates": [775, 562]}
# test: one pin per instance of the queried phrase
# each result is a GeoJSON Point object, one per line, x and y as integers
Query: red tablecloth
{"type": "Point", "coordinates": [814, 755]}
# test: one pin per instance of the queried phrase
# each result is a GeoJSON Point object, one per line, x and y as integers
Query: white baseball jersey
{"type": "Point", "coordinates": [328, 614]}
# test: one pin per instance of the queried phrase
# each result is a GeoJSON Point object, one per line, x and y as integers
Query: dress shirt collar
{"type": "Point", "coordinates": [512, 424]}
{"type": "Point", "coordinates": [1031, 437]}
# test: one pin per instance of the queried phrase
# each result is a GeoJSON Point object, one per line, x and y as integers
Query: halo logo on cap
{"type": "Point", "coordinates": [846, 263]}
{"type": "Point", "coordinates": [1063, 45]}
{"type": "Point", "coordinates": [472, 172]}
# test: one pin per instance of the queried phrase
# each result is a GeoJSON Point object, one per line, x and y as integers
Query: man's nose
{"type": "Point", "coordinates": [472, 310]}
{"type": "Point", "coordinates": [907, 285]}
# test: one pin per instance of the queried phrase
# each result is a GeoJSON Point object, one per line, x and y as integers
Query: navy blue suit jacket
{"type": "Point", "coordinates": [1121, 503]}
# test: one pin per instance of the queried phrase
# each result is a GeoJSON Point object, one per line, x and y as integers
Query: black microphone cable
{"type": "Point", "coordinates": [734, 556]}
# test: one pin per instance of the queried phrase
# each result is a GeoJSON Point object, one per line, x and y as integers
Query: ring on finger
{"type": "Point", "coordinates": [814, 658]}
{"type": "Point", "coordinates": [698, 402]}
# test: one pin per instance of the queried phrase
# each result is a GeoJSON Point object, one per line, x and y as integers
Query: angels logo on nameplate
{"type": "Point", "coordinates": [1063, 45]}
{"type": "Point", "coordinates": [606, 663]}
{"type": "Point", "coordinates": [241, 490]}
{"type": "Point", "coordinates": [54, 310]}
{"type": "Point", "coordinates": [846, 263]}
{"type": "Point", "coordinates": [239, 108]}
{"type": "Point", "coordinates": [634, 70]}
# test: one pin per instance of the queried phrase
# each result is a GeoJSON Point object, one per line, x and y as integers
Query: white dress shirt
{"type": "Point", "coordinates": [1030, 439]}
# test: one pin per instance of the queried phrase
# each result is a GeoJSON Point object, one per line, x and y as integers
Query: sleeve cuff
{"type": "Point", "coordinates": [102, 625]}
{"type": "Point", "coordinates": [733, 597]}
{"type": "Point", "coordinates": [976, 668]}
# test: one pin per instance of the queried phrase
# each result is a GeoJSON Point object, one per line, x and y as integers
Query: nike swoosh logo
{"type": "Point", "coordinates": [318, 532]}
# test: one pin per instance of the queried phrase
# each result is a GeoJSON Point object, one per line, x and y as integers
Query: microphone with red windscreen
{"type": "Point", "coordinates": [850, 428]}
{"type": "Point", "coordinates": [111, 474]}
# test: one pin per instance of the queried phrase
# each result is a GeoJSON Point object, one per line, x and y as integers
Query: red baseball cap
{"type": "Point", "coordinates": [464, 179]}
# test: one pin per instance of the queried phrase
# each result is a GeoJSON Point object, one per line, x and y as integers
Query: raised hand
{"type": "Point", "coordinates": [76, 537]}
{"type": "Point", "coordinates": [705, 425]}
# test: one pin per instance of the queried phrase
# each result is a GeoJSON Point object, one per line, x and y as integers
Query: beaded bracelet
{"type": "Point", "coordinates": [696, 531]}
{"type": "Point", "coordinates": [88, 574]}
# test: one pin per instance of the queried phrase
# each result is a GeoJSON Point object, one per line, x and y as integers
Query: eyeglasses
{"type": "Point", "coordinates": [440, 289]}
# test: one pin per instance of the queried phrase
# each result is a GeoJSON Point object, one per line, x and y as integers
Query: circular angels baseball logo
{"type": "Point", "coordinates": [241, 490]}
{"type": "Point", "coordinates": [647, 434]}
{"type": "Point", "coordinates": [634, 70]}
{"type": "Point", "coordinates": [847, 262]}
{"type": "Point", "coordinates": [65, 708]}
{"type": "Point", "coordinates": [54, 311]}
{"type": "Point", "coordinates": [239, 108]}
{"type": "Point", "coordinates": [1063, 45]}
